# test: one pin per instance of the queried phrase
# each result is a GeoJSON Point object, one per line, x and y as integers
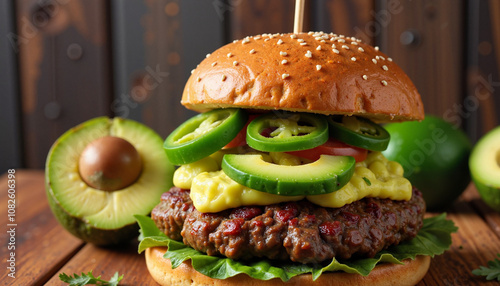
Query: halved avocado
{"type": "Point", "coordinates": [100, 216]}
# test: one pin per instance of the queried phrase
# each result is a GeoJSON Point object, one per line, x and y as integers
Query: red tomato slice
{"type": "Point", "coordinates": [332, 147]}
{"type": "Point", "coordinates": [241, 138]}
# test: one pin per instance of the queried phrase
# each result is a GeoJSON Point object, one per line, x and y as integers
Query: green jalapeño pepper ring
{"type": "Point", "coordinates": [203, 134]}
{"type": "Point", "coordinates": [325, 175]}
{"type": "Point", "coordinates": [359, 132]}
{"type": "Point", "coordinates": [294, 131]}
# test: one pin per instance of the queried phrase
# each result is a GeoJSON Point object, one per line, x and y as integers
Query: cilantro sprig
{"type": "Point", "coordinates": [89, 279]}
{"type": "Point", "coordinates": [491, 272]}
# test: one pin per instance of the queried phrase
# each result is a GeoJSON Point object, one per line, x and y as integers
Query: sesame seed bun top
{"type": "Point", "coordinates": [307, 72]}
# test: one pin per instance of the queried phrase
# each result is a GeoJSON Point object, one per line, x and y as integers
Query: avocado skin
{"type": "Point", "coordinates": [86, 232]}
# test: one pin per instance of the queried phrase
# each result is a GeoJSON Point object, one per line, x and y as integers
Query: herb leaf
{"type": "Point", "coordinates": [491, 272]}
{"type": "Point", "coordinates": [89, 279]}
{"type": "Point", "coordinates": [433, 239]}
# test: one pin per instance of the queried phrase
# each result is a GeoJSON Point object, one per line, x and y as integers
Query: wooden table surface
{"type": "Point", "coordinates": [43, 249]}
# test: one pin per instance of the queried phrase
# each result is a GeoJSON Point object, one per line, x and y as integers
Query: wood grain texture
{"type": "Point", "coordinates": [42, 246]}
{"type": "Point", "coordinates": [426, 39]}
{"type": "Point", "coordinates": [64, 69]}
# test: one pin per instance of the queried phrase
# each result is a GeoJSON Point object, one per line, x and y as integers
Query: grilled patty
{"type": "Point", "coordinates": [298, 231]}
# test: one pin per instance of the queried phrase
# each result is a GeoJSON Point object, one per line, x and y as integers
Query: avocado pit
{"type": "Point", "coordinates": [110, 163]}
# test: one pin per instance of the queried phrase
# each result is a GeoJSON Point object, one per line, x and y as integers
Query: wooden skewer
{"type": "Point", "coordinates": [299, 16]}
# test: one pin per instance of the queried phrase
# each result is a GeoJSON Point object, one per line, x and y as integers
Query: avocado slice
{"type": "Point", "coordinates": [484, 165]}
{"type": "Point", "coordinates": [102, 216]}
{"type": "Point", "coordinates": [325, 175]}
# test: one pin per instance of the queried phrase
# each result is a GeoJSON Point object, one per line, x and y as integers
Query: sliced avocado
{"type": "Point", "coordinates": [484, 165]}
{"type": "Point", "coordinates": [105, 216]}
{"type": "Point", "coordinates": [325, 175]}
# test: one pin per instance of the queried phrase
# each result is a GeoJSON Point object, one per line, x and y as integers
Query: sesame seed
{"type": "Point", "coordinates": [318, 48]}
{"type": "Point", "coordinates": [280, 41]}
{"type": "Point", "coordinates": [285, 75]}
{"type": "Point", "coordinates": [235, 63]}
{"type": "Point", "coordinates": [283, 62]}
{"type": "Point", "coordinates": [293, 36]}
{"type": "Point", "coordinates": [333, 46]}
{"type": "Point", "coordinates": [323, 41]}
{"type": "Point", "coordinates": [384, 67]}
{"type": "Point", "coordinates": [376, 48]}
{"type": "Point", "coordinates": [192, 71]}
{"type": "Point", "coordinates": [358, 40]}
{"type": "Point", "coordinates": [361, 49]}
{"type": "Point", "coordinates": [345, 47]}
{"type": "Point", "coordinates": [374, 61]}
{"type": "Point", "coordinates": [224, 77]}
{"type": "Point", "coordinates": [325, 37]}
{"type": "Point", "coordinates": [336, 51]}
{"type": "Point", "coordinates": [208, 55]}
{"type": "Point", "coordinates": [341, 40]}
{"type": "Point", "coordinates": [382, 58]}
{"type": "Point", "coordinates": [300, 40]}
{"type": "Point", "coordinates": [310, 33]}
{"type": "Point", "coordinates": [332, 39]}
{"type": "Point", "coordinates": [365, 77]}
{"type": "Point", "coordinates": [252, 51]}
{"type": "Point", "coordinates": [266, 40]}
{"type": "Point", "coordinates": [198, 79]}
{"type": "Point", "coordinates": [377, 57]}
{"type": "Point", "coordinates": [353, 59]}
{"type": "Point", "coordinates": [256, 38]}
{"type": "Point", "coordinates": [318, 38]}
{"type": "Point", "coordinates": [353, 39]}
{"type": "Point", "coordinates": [309, 54]}
{"type": "Point", "coordinates": [341, 36]}
{"type": "Point", "coordinates": [384, 83]}
{"type": "Point", "coordinates": [229, 55]}
{"type": "Point", "coordinates": [318, 67]}
{"type": "Point", "coordinates": [283, 54]}
{"type": "Point", "coordinates": [214, 64]}
{"type": "Point", "coordinates": [303, 44]}
{"type": "Point", "coordinates": [245, 41]}
{"type": "Point", "coordinates": [235, 41]}
{"type": "Point", "coordinates": [354, 43]}
{"type": "Point", "coordinates": [389, 59]}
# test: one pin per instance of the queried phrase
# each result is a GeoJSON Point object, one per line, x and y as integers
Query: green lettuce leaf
{"type": "Point", "coordinates": [433, 239]}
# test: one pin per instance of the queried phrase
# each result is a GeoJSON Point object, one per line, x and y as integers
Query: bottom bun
{"type": "Point", "coordinates": [409, 273]}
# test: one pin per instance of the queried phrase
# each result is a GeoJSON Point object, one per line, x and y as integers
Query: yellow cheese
{"type": "Point", "coordinates": [213, 191]}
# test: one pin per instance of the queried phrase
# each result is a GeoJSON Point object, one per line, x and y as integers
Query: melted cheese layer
{"type": "Point", "coordinates": [213, 191]}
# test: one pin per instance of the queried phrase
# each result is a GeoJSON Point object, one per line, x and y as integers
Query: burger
{"type": "Point", "coordinates": [281, 179]}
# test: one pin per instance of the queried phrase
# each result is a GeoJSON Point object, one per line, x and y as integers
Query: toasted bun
{"type": "Point", "coordinates": [409, 273]}
{"type": "Point", "coordinates": [320, 73]}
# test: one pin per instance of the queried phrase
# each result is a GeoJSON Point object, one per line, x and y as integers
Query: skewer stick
{"type": "Point", "coordinates": [299, 16]}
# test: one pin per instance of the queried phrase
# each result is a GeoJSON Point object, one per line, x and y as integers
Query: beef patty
{"type": "Point", "coordinates": [298, 231]}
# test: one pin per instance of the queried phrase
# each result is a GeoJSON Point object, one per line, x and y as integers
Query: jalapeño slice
{"type": "Point", "coordinates": [359, 132]}
{"type": "Point", "coordinates": [326, 175]}
{"type": "Point", "coordinates": [287, 132]}
{"type": "Point", "coordinates": [203, 135]}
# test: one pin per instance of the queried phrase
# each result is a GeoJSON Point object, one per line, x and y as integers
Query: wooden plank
{"type": "Point", "coordinates": [106, 261]}
{"type": "Point", "coordinates": [10, 125]}
{"type": "Point", "coordinates": [42, 246]}
{"type": "Point", "coordinates": [491, 216]}
{"type": "Point", "coordinates": [347, 17]}
{"type": "Point", "coordinates": [473, 245]}
{"type": "Point", "coordinates": [64, 69]}
{"type": "Point", "coordinates": [426, 39]}
{"type": "Point", "coordinates": [250, 17]}
{"type": "Point", "coordinates": [481, 105]}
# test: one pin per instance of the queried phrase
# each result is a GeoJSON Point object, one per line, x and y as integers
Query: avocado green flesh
{"type": "Point", "coordinates": [98, 216]}
{"type": "Point", "coordinates": [485, 168]}
{"type": "Point", "coordinates": [327, 174]}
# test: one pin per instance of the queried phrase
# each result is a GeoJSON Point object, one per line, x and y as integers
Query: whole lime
{"type": "Point", "coordinates": [484, 166]}
{"type": "Point", "coordinates": [434, 155]}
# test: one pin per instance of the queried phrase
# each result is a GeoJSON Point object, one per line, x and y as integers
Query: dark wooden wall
{"type": "Point", "coordinates": [66, 61]}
